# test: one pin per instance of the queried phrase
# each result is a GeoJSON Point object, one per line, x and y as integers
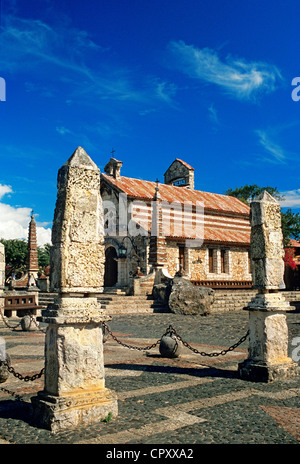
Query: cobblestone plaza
{"type": "Point", "coordinates": [192, 399]}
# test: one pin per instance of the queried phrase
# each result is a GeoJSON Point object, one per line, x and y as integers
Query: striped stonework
{"type": "Point", "coordinates": [32, 256]}
{"type": "Point", "coordinates": [207, 234]}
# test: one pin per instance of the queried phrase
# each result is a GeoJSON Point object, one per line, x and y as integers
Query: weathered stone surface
{"type": "Point", "coordinates": [4, 373]}
{"type": "Point", "coordinates": [78, 228]}
{"type": "Point", "coordinates": [268, 332]}
{"type": "Point", "coordinates": [186, 298]}
{"type": "Point", "coordinates": [266, 248]}
{"type": "Point", "coordinates": [75, 392]}
{"type": "Point", "coordinates": [269, 302]}
{"type": "Point", "coordinates": [268, 337]}
{"type": "Point", "coordinates": [59, 413]}
{"type": "Point", "coordinates": [161, 293]}
{"type": "Point", "coordinates": [267, 372]}
{"type": "Point", "coordinates": [74, 359]}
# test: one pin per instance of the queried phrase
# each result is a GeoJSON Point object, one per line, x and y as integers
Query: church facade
{"type": "Point", "coordinates": [171, 226]}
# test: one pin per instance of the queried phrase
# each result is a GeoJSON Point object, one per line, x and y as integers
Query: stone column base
{"type": "Point", "coordinates": [75, 409]}
{"type": "Point", "coordinates": [266, 372]}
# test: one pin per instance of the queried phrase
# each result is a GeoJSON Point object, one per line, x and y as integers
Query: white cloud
{"type": "Point", "coordinates": [14, 221]}
{"type": "Point", "coordinates": [213, 114]}
{"type": "Point", "coordinates": [291, 199]}
{"type": "Point", "coordinates": [275, 152]}
{"type": "Point", "coordinates": [63, 130]}
{"type": "Point", "coordinates": [45, 50]}
{"type": "Point", "coordinates": [164, 90]}
{"type": "Point", "coordinates": [238, 78]}
{"type": "Point", "coordinates": [4, 190]}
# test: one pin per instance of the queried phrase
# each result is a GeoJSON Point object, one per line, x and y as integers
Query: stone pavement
{"type": "Point", "coordinates": [189, 400]}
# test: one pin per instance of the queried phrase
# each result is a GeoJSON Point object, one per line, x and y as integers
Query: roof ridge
{"type": "Point", "coordinates": [175, 187]}
{"type": "Point", "coordinates": [145, 189]}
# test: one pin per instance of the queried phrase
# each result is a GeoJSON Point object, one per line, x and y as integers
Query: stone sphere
{"type": "Point", "coordinates": [4, 374]}
{"type": "Point", "coordinates": [27, 323]}
{"type": "Point", "coordinates": [170, 347]}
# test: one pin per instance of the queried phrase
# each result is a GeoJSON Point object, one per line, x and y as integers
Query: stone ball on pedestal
{"type": "Point", "coordinates": [170, 346]}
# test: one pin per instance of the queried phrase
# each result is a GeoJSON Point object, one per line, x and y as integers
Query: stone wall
{"type": "Point", "coordinates": [77, 227]}
{"type": "Point", "coordinates": [119, 223]}
{"type": "Point", "coordinates": [197, 262]}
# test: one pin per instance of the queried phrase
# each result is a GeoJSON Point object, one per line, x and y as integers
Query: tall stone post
{"type": "Point", "coordinates": [157, 247]}
{"type": "Point", "coordinates": [32, 254]}
{"type": "Point", "coordinates": [74, 391]}
{"type": "Point", "coordinates": [268, 332]}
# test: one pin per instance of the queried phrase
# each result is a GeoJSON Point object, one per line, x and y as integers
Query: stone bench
{"type": "Point", "coordinates": [20, 305]}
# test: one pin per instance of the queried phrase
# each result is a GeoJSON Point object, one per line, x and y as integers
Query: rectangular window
{"type": "Point", "coordinates": [223, 264]}
{"type": "Point", "coordinates": [211, 260]}
{"type": "Point", "coordinates": [181, 257]}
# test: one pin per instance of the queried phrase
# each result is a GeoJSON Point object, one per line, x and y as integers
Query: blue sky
{"type": "Point", "coordinates": [209, 82]}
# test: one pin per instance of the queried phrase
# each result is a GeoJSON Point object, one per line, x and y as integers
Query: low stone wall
{"type": "Point", "coordinates": [236, 300]}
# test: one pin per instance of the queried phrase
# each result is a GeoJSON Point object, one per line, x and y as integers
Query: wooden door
{"type": "Point", "coordinates": [111, 267]}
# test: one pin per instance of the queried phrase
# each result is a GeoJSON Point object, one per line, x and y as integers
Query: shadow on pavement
{"type": "Point", "coordinates": [167, 369]}
{"type": "Point", "coordinates": [15, 409]}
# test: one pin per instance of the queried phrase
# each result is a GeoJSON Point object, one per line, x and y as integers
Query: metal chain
{"type": "Point", "coordinates": [6, 323]}
{"type": "Point", "coordinates": [130, 346]}
{"type": "Point", "coordinates": [170, 330]}
{"type": "Point", "coordinates": [26, 378]}
{"type": "Point", "coordinates": [9, 392]}
{"type": "Point", "coordinates": [213, 354]}
{"type": "Point", "coordinates": [17, 325]}
{"type": "Point", "coordinates": [36, 324]}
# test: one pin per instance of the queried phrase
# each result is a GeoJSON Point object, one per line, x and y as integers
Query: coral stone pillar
{"type": "Point", "coordinates": [74, 391]}
{"type": "Point", "coordinates": [268, 332]}
{"type": "Point", "coordinates": [32, 255]}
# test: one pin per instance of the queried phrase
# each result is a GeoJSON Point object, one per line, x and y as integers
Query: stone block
{"type": "Point", "coordinates": [186, 298]}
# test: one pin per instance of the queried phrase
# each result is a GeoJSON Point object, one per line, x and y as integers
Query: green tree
{"type": "Point", "coordinates": [15, 255]}
{"type": "Point", "coordinates": [290, 220]}
{"type": "Point", "coordinates": [247, 193]}
{"type": "Point", "coordinates": [44, 255]}
{"type": "Point", "coordinates": [290, 225]}
{"type": "Point", "coordinates": [15, 252]}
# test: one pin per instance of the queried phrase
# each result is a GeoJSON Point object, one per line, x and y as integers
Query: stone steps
{"type": "Point", "coordinates": [118, 303]}
{"type": "Point", "coordinates": [225, 301]}
{"type": "Point", "coordinates": [235, 300]}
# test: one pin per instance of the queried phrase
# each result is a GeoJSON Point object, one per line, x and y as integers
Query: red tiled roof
{"type": "Point", "coordinates": [215, 235]}
{"type": "Point", "coordinates": [231, 236]}
{"type": "Point", "coordinates": [144, 190]}
{"type": "Point", "coordinates": [294, 243]}
{"type": "Point", "coordinates": [186, 164]}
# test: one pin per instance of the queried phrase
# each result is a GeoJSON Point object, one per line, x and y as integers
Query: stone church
{"type": "Point", "coordinates": [173, 228]}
